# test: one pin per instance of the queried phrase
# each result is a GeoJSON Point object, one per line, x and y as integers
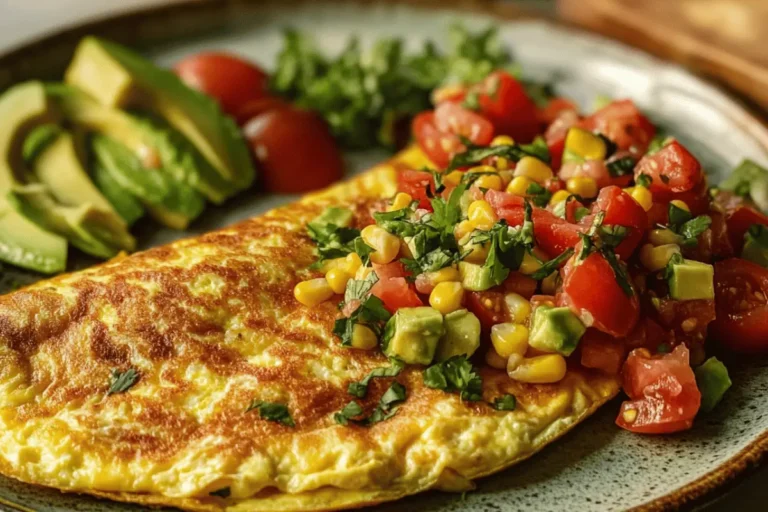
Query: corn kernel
{"type": "Point", "coordinates": [643, 197]}
{"type": "Point", "coordinates": [332, 263]}
{"type": "Point", "coordinates": [582, 186]}
{"type": "Point", "coordinates": [489, 181]}
{"type": "Point", "coordinates": [405, 251]}
{"type": "Point", "coordinates": [363, 337]}
{"type": "Point", "coordinates": [518, 306]}
{"type": "Point", "coordinates": [506, 177]}
{"type": "Point", "coordinates": [478, 255]}
{"type": "Point", "coordinates": [585, 144]}
{"type": "Point", "coordinates": [544, 369]}
{"type": "Point", "coordinates": [629, 190]}
{"type": "Point", "coordinates": [352, 262]}
{"type": "Point", "coordinates": [519, 185]}
{"type": "Point", "coordinates": [501, 163]}
{"type": "Point", "coordinates": [680, 204]}
{"type": "Point", "coordinates": [453, 178]}
{"type": "Point", "coordinates": [529, 264]}
{"type": "Point", "coordinates": [363, 272]}
{"type": "Point", "coordinates": [514, 361]}
{"type": "Point", "coordinates": [462, 229]}
{"type": "Point", "coordinates": [401, 200]}
{"type": "Point", "coordinates": [664, 237]}
{"type": "Point", "coordinates": [630, 415]}
{"type": "Point", "coordinates": [481, 215]}
{"type": "Point", "coordinates": [509, 338]}
{"type": "Point", "coordinates": [313, 291]}
{"type": "Point", "coordinates": [494, 360]}
{"type": "Point", "coordinates": [337, 279]}
{"type": "Point", "coordinates": [386, 245]}
{"type": "Point", "coordinates": [447, 297]}
{"type": "Point", "coordinates": [482, 169]}
{"type": "Point", "coordinates": [444, 275]}
{"type": "Point", "coordinates": [549, 284]}
{"type": "Point", "coordinates": [533, 168]}
{"type": "Point", "coordinates": [656, 258]}
{"type": "Point", "coordinates": [559, 197]}
{"type": "Point", "coordinates": [502, 140]}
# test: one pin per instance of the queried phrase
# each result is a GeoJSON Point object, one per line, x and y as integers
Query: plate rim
{"type": "Point", "coordinates": [701, 491]}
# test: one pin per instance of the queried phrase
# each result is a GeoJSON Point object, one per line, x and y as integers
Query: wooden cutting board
{"type": "Point", "coordinates": [725, 39]}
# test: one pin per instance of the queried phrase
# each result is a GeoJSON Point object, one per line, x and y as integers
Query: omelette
{"type": "Point", "coordinates": [142, 380]}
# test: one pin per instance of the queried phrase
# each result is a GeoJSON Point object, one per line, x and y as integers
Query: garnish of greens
{"type": "Point", "coordinates": [473, 154]}
{"type": "Point", "coordinates": [365, 94]}
{"type": "Point", "coordinates": [455, 375]}
{"type": "Point", "coordinates": [360, 389]}
{"type": "Point", "coordinates": [386, 408]}
{"type": "Point", "coordinates": [686, 225]}
{"type": "Point", "coordinates": [370, 311]}
{"type": "Point", "coordinates": [604, 239]}
{"type": "Point", "coordinates": [122, 381]}
{"type": "Point", "coordinates": [272, 411]}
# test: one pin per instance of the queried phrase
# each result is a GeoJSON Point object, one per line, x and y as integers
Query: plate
{"type": "Point", "coordinates": [597, 466]}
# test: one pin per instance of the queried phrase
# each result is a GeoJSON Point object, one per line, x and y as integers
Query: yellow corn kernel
{"type": "Point", "coordinates": [333, 263]}
{"type": "Point", "coordinates": [444, 275]}
{"type": "Point", "coordinates": [489, 181]}
{"type": "Point", "coordinates": [519, 185]}
{"type": "Point", "coordinates": [363, 337]}
{"type": "Point", "coordinates": [533, 168]}
{"type": "Point", "coordinates": [506, 177]}
{"type": "Point", "coordinates": [509, 338]}
{"type": "Point", "coordinates": [664, 237]}
{"type": "Point", "coordinates": [581, 186]}
{"type": "Point", "coordinates": [559, 197]}
{"type": "Point", "coordinates": [501, 163]}
{"type": "Point", "coordinates": [643, 197]}
{"type": "Point", "coordinates": [502, 140]}
{"type": "Point", "coordinates": [405, 251]}
{"type": "Point", "coordinates": [514, 361]}
{"type": "Point", "coordinates": [544, 369]}
{"type": "Point", "coordinates": [446, 297]}
{"type": "Point", "coordinates": [462, 229]}
{"type": "Point", "coordinates": [337, 279]}
{"type": "Point", "coordinates": [478, 255]}
{"type": "Point", "coordinates": [585, 144]}
{"type": "Point", "coordinates": [482, 169]}
{"type": "Point", "coordinates": [313, 291]}
{"type": "Point", "coordinates": [529, 264]}
{"type": "Point", "coordinates": [549, 284]}
{"type": "Point", "coordinates": [680, 204]}
{"type": "Point", "coordinates": [362, 272]}
{"type": "Point", "coordinates": [494, 360]}
{"type": "Point", "coordinates": [401, 200]}
{"type": "Point", "coordinates": [453, 178]}
{"type": "Point", "coordinates": [656, 258]}
{"type": "Point", "coordinates": [629, 190]}
{"type": "Point", "coordinates": [352, 262]}
{"type": "Point", "coordinates": [481, 215]}
{"type": "Point", "coordinates": [386, 245]}
{"type": "Point", "coordinates": [518, 306]}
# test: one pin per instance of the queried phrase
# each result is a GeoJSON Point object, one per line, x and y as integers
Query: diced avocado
{"type": "Point", "coordinates": [756, 245]}
{"type": "Point", "coordinates": [411, 335]}
{"type": "Point", "coordinates": [24, 244]}
{"type": "Point", "coordinates": [341, 217]}
{"type": "Point", "coordinates": [691, 280]}
{"type": "Point", "coordinates": [124, 203]}
{"type": "Point", "coordinates": [555, 330]}
{"type": "Point", "coordinates": [713, 381]}
{"type": "Point", "coordinates": [475, 278]}
{"type": "Point", "coordinates": [462, 335]}
{"type": "Point", "coordinates": [119, 78]}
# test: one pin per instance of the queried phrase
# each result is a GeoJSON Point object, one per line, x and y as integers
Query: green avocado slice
{"type": "Point", "coordinates": [125, 203]}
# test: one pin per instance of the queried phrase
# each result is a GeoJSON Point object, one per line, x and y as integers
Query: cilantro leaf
{"type": "Point", "coordinates": [643, 181]}
{"type": "Point", "coordinates": [370, 312]}
{"type": "Point", "coordinates": [691, 229]}
{"type": "Point", "coordinates": [122, 381]}
{"type": "Point", "coordinates": [658, 142]}
{"type": "Point", "coordinates": [678, 216]}
{"type": "Point", "coordinates": [363, 250]}
{"type": "Point", "coordinates": [273, 412]}
{"type": "Point", "coordinates": [360, 389]}
{"type": "Point", "coordinates": [349, 411]}
{"type": "Point", "coordinates": [757, 233]}
{"type": "Point", "coordinates": [332, 241]}
{"type": "Point", "coordinates": [539, 195]}
{"type": "Point", "coordinates": [580, 213]}
{"type": "Point", "coordinates": [621, 166]}
{"type": "Point", "coordinates": [622, 278]}
{"type": "Point", "coordinates": [505, 251]}
{"type": "Point", "coordinates": [455, 375]}
{"type": "Point", "coordinates": [676, 259]}
{"type": "Point", "coordinates": [505, 403]}
{"type": "Point", "coordinates": [552, 265]}
{"type": "Point", "coordinates": [514, 152]}
{"type": "Point", "coordinates": [357, 289]}
{"type": "Point", "coordinates": [612, 235]}
{"type": "Point", "coordinates": [387, 407]}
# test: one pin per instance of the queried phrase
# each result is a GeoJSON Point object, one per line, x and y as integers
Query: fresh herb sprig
{"type": "Point", "coordinates": [122, 381]}
{"type": "Point", "coordinates": [272, 411]}
{"type": "Point", "coordinates": [360, 389]}
{"type": "Point", "coordinates": [455, 375]}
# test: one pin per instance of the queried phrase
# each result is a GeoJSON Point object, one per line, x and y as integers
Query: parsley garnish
{"type": "Point", "coordinates": [363, 250]}
{"type": "Point", "coordinates": [360, 389]}
{"type": "Point", "coordinates": [643, 181]}
{"type": "Point", "coordinates": [349, 411]}
{"type": "Point", "coordinates": [612, 235]}
{"type": "Point", "coordinates": [604, 239]}
{"type": "Point", "coordinates": [370, 312]}
{"type": "Point", "coordinates": [122, 381]}
{"type": "Point", "coordinates": [676, 259]}
{"type": "Point", "coordinates": [678, 216]}
{"type": "Point", "coordinates": [505, 251]}
{"type": "Point", "coordinates": [621, 167]}
{"type": "Point", "coordinates": [693, 228]}
{"type": "Point", "coordinates": [505, 403]}
{"type": "Point", "coordinates": [658, 142]}
{"type": "Point", "coordinates": [757, 233]}
{"type": "Point", "coordinates": [387, 407]}
{"type": "Point", "coordinates": [539, 195]}
{"type": "Point", "coordinates": [357, 289]}
{"type": "Point", "coordinates": [224, 492]}
{"type": "Point", "coordinates": [272, 412]}
{"type": "Point", "coordinates": [455, 375]}
{"type": "Point", "coordinates": [552, 265]}
{"type": "Point", "coordinates": [610, 146]}
{"type": "Point", "coordinates": [332, 241]}
{"type": "Point", "coordinates": [514, 152]}
{"type": "Point", "coordinates": [580, 213]}
{"type": "Point", "coordinates": [622, 278]}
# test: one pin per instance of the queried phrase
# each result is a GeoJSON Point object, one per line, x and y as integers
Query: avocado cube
{"type": "Point", "coordinates": [411, 335]}
{"type": "Point", "coordinates": [713, 381]}
{"type": "Point", "coordinates": [555, 330]}
{"type": "Point", "coordinates": [475, 278]}
{"type": "Point", "coordinates": [462, 335]}
{"type": "Point", "coordinates": [691, 280]}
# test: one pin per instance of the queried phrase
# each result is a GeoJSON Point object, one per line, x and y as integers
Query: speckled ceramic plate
{"type": "Point", "coordinates": [598, 466]}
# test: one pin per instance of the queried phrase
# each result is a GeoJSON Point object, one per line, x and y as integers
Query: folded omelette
{"type": "Point", "coordinates": [210, 324]}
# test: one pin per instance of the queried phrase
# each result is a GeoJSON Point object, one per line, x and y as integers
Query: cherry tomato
{"type": "Point", "coordinates": [688, 319]}
{"type": "Point", "coordinates": [415, 184]}
{"type": "Point", "coordinates": [663, 394]}
{"type": "Point", "coordinates": [295, 150]}
{"type": "Point", "coordinates": [489, 307]}
{"type": "Point", "coordinates": [671, 169]}
{"type": "Point", "coordinates": [741, 288]}
{"type": "Point", "coordinates": [622, 122]}
{"type": "Point", "coordinates": [230, 80]}
{"type": "Point", "coordinates": [554, 109]}
{"type": "Point", "coordinates": [713, 243]}
{"type": "Point", "coordinates": [504, 102]}
{"type": "Point", "coordinates": [606, 308]}
{"type": "Point", "coordinates": [602, 352]}
{"type": "Point", "coordinates": [258, 106]}
{"type": "Point", "coordinates": [739, 221]}
{"type": "Point", "coordinates": [620, 210]}
{"type": "Point", "coordinates": [393, 289]}
{"type": "Point", "coordinates": [437, 133]}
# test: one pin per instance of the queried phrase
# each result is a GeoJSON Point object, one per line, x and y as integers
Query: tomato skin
{"type": "Point", "coordinates": [437, 133]}
{"type": "Point", "coordinates": [602, 352]}
{"type": "Point", "coordinates": [489, 307]}
{"type": "Point", "coordinates": [623, 123]}
{"type": "Point", "coordinates": [228, 79]}
{"type": "Point", "coordinates": [273, 135]}
{"type": "Point", "coordinates": [662, 391]}
{"type": "Point", "coordinates": [742, 316]}
{"type": "Point", "coordinates": [608, 308]}
{"type": "Point", "coordinates": [258, 106]}
{"type": "Point", "coordinates": [739, 221]}
{"type": "Point", "coordinates": [393, 289]}
{"type": "Point", "coordinates": [621, 210]}
{"type": "Point", "coordinates": [679, 168]}
{"type": "Point", "coordinates": [520, 284]}
{"type": "Point", "coordinates": [415, 184]}
{"type": "Point", "coordinates": [555, 135]}
{"type": "Point", "coordinates": [504, 102]}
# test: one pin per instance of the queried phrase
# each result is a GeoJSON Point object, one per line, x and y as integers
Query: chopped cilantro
{"type": "Point", "coordinates": [610, 146]}
{"type": "Point", "coordinates": [387, 407]}
{"type": "Point", "coordinates": [643, 181]}
{"type": "Point", "coordinates": [272, 412]}
{"type": "Point", "coordinates": [622, 278]}
{"type": "Point", "coordinates": [580, 213]}
{"type": "Point", "coordinates": [539, 195]}
{"type": "Point", "coordinates": [759, 234]}
{"type": "Point", "coordinates": [455, 375]}
{"type": "Point", "coordinates": [621, 166]}
{"type": "Point", "coordinates": [552, 265]}
{"type": "Point", "coordinates": [505, 249]}
{"type": "Point", "coordinates": [370, 312]}
{"type": "Point", "coordinates": [332, 241]}
{"type": "Point", "coordinates": [678, 216]}
{"type": "Point", "coordinates": [360, 389]}
{"type": "Point", "coordinates": [505, 403]}
{"type": "Point", "coordinates": [676, 259]}
{"type": "Point", "coordinates": [357, 289]}
{"type": "Point", "coordinates": [349, 411]}
{"type": "Point", "coordinates": [691, 229]}
{"type": "Point", "coordinates": [658, 142]}
{"type": "Point", "coordinates": [363, 250]}
{"type": "Point", "coordinates": [612, 235]}
{"type": "Point", "coordinates": [513, 152]}
{"type": "Point", "coordinates": [122, 381]}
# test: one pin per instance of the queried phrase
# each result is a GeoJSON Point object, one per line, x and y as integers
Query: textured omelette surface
{"type": "Point", "coordinates": [210, 323]}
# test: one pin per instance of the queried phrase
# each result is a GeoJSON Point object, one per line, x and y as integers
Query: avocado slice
{"type": "Point", "coordinates": [691, 280]}
{"type": "Point", "coordinates": [120, 78]}
{"type": "Point", "coordinates": [39, 139]}
{"type": "Point", "coordinates": [124, 203]}
{"type": "Point", "coordinates": [411, 335]}
{"type": "Point", "coordinates": [24, 244]}
{"type": "Point", "coordinates": [462, 335]}
{"type": "Point", "coordinates": [476, 278]}
{"type": "Point", "coordinates": [713, 381]}
{"type": "Point", "coordinates": [555, 330]}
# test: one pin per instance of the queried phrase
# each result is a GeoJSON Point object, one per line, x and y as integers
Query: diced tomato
{"type": "Point", "coordinates": [555, 107]}
{"type": "Point", "coordinates": [570, 210]}
{"type": "Point", "coordinates": [741, 288]}
{"type": "Point", "coordinates": [555, 135]}
{"type": "Point", "coordinates": [520, 284]}
{"type": "Point", "coordinates": [601, 351]}
{"type": "Point", "coordinates": [502, 201]}
{"type": "Point", "coordinates": [663, 394]}
{"type": "Point", "coordinates": [594, 169]}
{"type": "Point", "coordinates": [415, 184]}
{"type": "Point", "coordinates": [739, 221]}
{"type": "Point", "coordinates": [620, 210]}
{"type": "Point", "coordinates": [504, 102]}
{"type": "Point", "coordinates": [393, 289]}
{"type": "Point", "coordinates": [437, 133]}
{"type": "Point", "coordinates": [687, 318]}
{"type": "Point", "coordinates": [672, 169]}
{"type": "Point", "coordinates": [622, 122]}
{"type": "Point", "coordinates": [591, 290]}
{"type": "Point", "coordinates": [697, 199]}
{"type": "Point", "coordinates": [390, 270]}
{"type": "Point", "coordinates": [713, 243]}
{"type": "Point", "coordinates": [489, 307]}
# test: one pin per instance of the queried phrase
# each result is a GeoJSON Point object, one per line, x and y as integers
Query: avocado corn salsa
{"type": "Point", "coordinates": [540, 238]}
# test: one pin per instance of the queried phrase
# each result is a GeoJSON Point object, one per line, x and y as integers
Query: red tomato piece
{"type": "Point", "coordinates": [520, 284]}
{"type": "Point", "coordinates": [258, 106]}
{"type": "Point", "coordinates": [602, 352]}
{"type": "Point", "coordinates": [592, 292]}
{"type": "Point", "coordinates": [620, 210]}
{"type": "Point", "coordinates": [663, 394]}
{"type": "Point", "coordinates": [741, 288]}
{"type": "Point", "coordinates": [393, 289]}
{"type": "Point", "coordinates": [687, 318]}
{"type": "Point", "coordinates": [489, 307]}
{"type": "Point", "coordinates": [623, 123]}
{"type": "Point", "coordinates": [554, 109]}
{"type": "Point", "coordinates": [555, 135]}
{"type": "Point", "coordinates": [739, 221]}
{"type": "Point", "coordinates": [671, 169]}
{"type": "Point", "coordinates": [570, 210]}
{"type": "Point", "coordinates": [437, 133]}
{"type": "Point", "coordinates": [504, 102]}
{"type": "Point", "coordinates": [228, 79]}
{"type": "Point", "coordinates": [415, 184]}
{"type": "Point", "coordinates": [273, 137]}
